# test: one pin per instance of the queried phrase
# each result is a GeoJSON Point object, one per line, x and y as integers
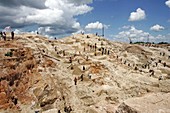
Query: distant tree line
{"type": "Point", "coordinates": [140, 42]}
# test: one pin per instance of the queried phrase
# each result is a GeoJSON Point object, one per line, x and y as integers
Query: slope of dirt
{"type": "Point", "coordinates": [40, 74]}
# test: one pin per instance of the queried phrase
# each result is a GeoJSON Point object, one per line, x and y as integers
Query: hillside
{"type": "Point", "coordinates": [38, 75]}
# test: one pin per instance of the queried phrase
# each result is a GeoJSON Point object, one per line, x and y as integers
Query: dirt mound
{"type": "Point", "coordinates": [136, 50]}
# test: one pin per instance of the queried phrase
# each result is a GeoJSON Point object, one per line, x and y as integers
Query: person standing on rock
{"type": "Point", "coordinates": [1, 35]}
{"type": "Point", "coordinates": [156, 64]}
{"type": "Point", "coordinates": [84, 68]}
{"type": "Point", "coordinates": [81, 77]}
{"type": "Point", "coordinates": [70, 60]}
{"type": "Point", "coordinates": [108, 52]}
{"type": "Point", "coordinates": [164, 64]}
{"type": "Point", "coordinates": [4, 36]}
{"type": "Point", "coordinates": [12, 35]}
{"type": "Point", "coordinates": [75, 81]}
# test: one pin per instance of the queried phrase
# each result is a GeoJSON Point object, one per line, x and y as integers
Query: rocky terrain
{"type": "Point", "coordinates": [83, 74]}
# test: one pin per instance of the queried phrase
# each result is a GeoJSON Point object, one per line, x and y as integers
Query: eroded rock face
{"type": "Point", "coordinates": [123, 108]}
{"type": "Point", "coordinates": [151, 103]}
{"type": "Point", "coordinates": [51, 111]}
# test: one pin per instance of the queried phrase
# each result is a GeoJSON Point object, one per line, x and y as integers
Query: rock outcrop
{"type": "Point", "coordinates": [150, 103]}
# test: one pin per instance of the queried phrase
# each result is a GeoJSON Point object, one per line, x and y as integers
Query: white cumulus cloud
{"type": "Point", "coordinates": [133, 33]}
{"type": "Point", "coordinates": [157, 28]}
{"type": "Point", "coordinates": [139, 35]}
{"type": "Point", "coordinates": [95, 25]}
{"type": "Point", "coordinates": [168, 3]}
{"type": "Point", "coordinates": [138, 15]}
{"type": "Point", "coordinates": [53, 17]}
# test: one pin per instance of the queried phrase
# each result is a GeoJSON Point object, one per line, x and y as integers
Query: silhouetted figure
{"type": "Point", "coordinates": [101, 43]}
{"type": "Point", "coordinates": [160, 78]}
{"type": "Point", "coordinates": [14, 100]}
{"type": "Point", "coordinates": [160, 53]}
{"type": "Point", "coordinates": [117, 57]}
{"type": "Point", "coordinates": [43, 51]}
{"type": "Point", "coordinates": [1, 35]}
{"type": "Point", "coordinates": [84, 68]}
{"type": "Point", "coordinates": [163, 54]}
{"type": "Point", "coordinates": [75, 81]}
{"type": "Point", "coordinates": [95, 54]}
{"type": "Point", "coordinates": [89, 75]}
{"type": "Point", "coordinates": [65, 109]}
{"type": "Point", "coordinates": [148, 66]}
{"type": "Point", "coordinates": [69, 109]}
{"type": "Point", "coordinates": [4, 36]}
{"type": "Point", "coordinates": [102, 51]}
{"type": "Point", "coordinates": [87, 58]}
{"type": "Point", "coordinates": [12, 35]}
{"type": "Point", "coordinates": [78, 61]}
{"type": "Point", "coordinates": [82, 33]}
{"type": "Point", "coordinates": [70, 60]}
{"type": "Point", "coordinates": [152, 72]}
{"type": "Point", "coordinates": [129, 65]}
{"type": "Point", "coordinates": [105, 51]}
{"type": "Point", "coordinates": [55, 48]}
{"type": "Point", "coordinates": [72, 68]}
{"type": "Point", "coordinates": [108, 52]}
{"type": "Point", "coordinates": [156, 64]}
{"type": "Point", "coordinates": [145, 66]}
{"type": "Point", "coordinates": [96, 34]}
{"type": "Point", "coordinates": [164, 64]}
{"type": "Point", "coordinates": [95, 47]}
{"type": "Point", "coordinates": [64, 53]}
{"type": "Point", "coordinates": [81, 77]}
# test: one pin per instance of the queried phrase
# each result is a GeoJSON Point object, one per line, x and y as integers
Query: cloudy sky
{"type": "Point", "coordinates": [122, 19]}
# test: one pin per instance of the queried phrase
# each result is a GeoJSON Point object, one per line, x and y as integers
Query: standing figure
{"type": "Point", "coordinates": [84, 68]}
{"type": "Point", "coordinates": [81, 77]}
{"type": "Point", "coordinates": [4, 36]}
{"type": "Point", "coordinates": [1, 35]}
{"type": "Point", "coordinates": [75, 81]}
{"type": "Point", "coordinates": [12, 35]}
{"type": "Point", "coordinates": [70, 60]}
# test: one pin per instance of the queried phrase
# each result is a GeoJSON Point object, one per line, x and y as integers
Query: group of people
{"type": "Point", "coordinates": [3, 35]}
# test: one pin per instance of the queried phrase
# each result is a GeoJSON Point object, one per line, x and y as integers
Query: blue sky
{"type": "Point", "coordinates": [123, 19]}
{"type": "Point", "coordinates": [116, 14]}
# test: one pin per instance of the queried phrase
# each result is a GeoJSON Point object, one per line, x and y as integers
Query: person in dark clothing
{"type": "Point", "coordinates": [156, 64]}
{"type": "Point", "coordinates": [108, 52]}
{"type": "Point", "coordinates": [15, 100]}
{"type": "Point", "coordinates": [70, 60]}
{"type": "Point", "coordinates": [12, 35]}
{"type": "Point", "coordinates": [164, 64]}
{"type": "Point", "coordinates": [1, 34]}
{"type": "Point", "coordinates": [75, 81]}
{"type": "Point", "coordinates": [4, 36]}
{"type": "Point", "coordinates": [84, 68]}
{"type": "Point", "coordinates": [69, 109]}
{"type": "Point", "coordinates": [81, 77]}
